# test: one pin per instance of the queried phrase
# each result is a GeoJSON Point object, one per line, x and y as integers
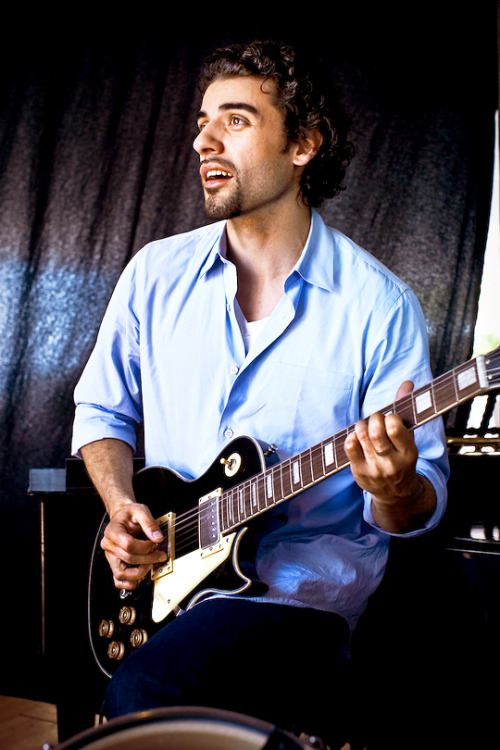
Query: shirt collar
{"type": "Point", "coordinates": [315, 264]}
{"type": "Point", "coordinates": [217, 247]}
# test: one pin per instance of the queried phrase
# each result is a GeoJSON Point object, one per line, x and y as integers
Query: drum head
{"type": "Point", "coordinates": [184, 729]}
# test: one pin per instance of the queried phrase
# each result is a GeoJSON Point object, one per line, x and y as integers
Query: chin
{"type": "Point", "coordinates": [222, 210]}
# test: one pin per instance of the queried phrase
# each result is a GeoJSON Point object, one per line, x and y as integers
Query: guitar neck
{"type": "Point", "coordinates": [294, 475]}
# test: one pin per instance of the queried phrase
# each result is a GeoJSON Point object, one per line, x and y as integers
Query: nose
{"type": "Point", "coordinates": [208, 141]}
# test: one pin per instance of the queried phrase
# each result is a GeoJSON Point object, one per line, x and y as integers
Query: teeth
{"type": "Point", "coordinates": [217, 173]}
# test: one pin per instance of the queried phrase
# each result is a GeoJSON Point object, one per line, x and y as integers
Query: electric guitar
{"type": "Point", "coordinates": [204, 520]}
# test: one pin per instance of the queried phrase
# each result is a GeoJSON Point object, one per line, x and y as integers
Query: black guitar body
{"type": "Point", "coordinates": [120, 621]}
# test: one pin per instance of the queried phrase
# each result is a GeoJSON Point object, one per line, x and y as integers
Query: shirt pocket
{"type": "Point", "coordinates": [309, 405]}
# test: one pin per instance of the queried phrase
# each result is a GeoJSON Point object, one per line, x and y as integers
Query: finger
{"type": "Point", "coordinates": [134, 553]}
{"type": "Point", "coordinates": [130, 578]}
{"type": "Point", "coordinates": [386, 432]}
{"type": "Point", "coordinates": [353, 448]}
{"type": "Point", "coordinates": [148, 524]}
{"type": "Point", "coordinates": [372, 438]}
{"type": "Point", "coordinates": [404, 389]}
{"type": "Point", "coordinates": [378, 440]}
{"type": "Point", "coordinates": [401, 438]}
{"type": "Point", "coordinates": [137, 518]}
{"type": "Point", "coordinates": [132, 573]}
{"type": "Point", "coordinates": [126, 576]}
{"type": "Point", "coordinates": [133, 521]}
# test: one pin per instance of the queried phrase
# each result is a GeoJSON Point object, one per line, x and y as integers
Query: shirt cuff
{"type": "Point", "coordinates": [92, 424]}
{"type": "Point", "coordinates": [439, 484]}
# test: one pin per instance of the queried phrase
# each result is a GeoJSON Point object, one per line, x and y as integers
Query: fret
{"type": "Point", "coordinates": [445, 394]}
{"type": "Point", "coordinates": [467, 380]}
{"type": "Point", "coordinates": [230, 509]}
{"type": "Point", "coordinates": [318, 471]}
{"type": "Point", "coordinates": [262, 492]}
{"type": "Point", "coordinates": [405, 408]}
{"type": "Point", "coordinates": [239, 503]}
{"type": "Point", "coordinates": [455, 387]}
{"type": "Point", "coordinates": [235, 506]}
{"type": "Point", "coordinates": [277, 487]}
{"type": "Point", "coordinates": [423, 404]}
{"type": "Point", "coordinates": [254, 496]}
{"type": "Point", "coordinates": [286, 478]}
{"type": "Point", "coordinates": [245, 510]}
{"type": "Point", "coordinates": [290, 477]}
{"type": "Point", "coordinates": [329, 459]}
{"type": "Point", "coordinates": [269, 488]}
{"type": "Point", "coordinates": [296, 475]}
{"type": "Point", "coordinates": [340, 439]}
{"type": "Point", "coordinates": [224, 520]}
{"type": "Point", "coordinates": [305, 465]}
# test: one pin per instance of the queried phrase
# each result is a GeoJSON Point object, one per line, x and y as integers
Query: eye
{"type": "Point", "coordinates": [236, 121]}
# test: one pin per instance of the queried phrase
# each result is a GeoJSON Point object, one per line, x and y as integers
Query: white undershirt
{"type": "Point", "coordinates": [249, 331]}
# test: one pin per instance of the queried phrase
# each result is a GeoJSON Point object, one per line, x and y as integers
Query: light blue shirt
{"type": "Point", "coordinates": [339, 343]}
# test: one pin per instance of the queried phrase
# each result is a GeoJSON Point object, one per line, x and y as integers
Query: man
{"type": "Point", "coordinates": [270, 324]}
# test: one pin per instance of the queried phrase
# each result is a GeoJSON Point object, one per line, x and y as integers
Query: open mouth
{"type": "Point", "coordinates": [217, 174]}
{"type": "Point", "coordinates": [213, 176]}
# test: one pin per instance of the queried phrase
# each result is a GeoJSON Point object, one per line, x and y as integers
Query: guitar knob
{"type": "Point", "coordinates": [127, 615]}
{"type": "Point", "coordinates": [106, 628]}
{"type": "Point", "coordinates": [138, 637]}
{"type": "Point", "coordinates": [116, 650]}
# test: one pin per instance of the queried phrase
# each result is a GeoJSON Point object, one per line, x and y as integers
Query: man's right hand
{"type": "Point", "coordinates": [129, 554]}
{"type": "Point", "coordinates": [132, 535]}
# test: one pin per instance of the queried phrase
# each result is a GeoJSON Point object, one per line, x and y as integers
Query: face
{"type": "Point", "coordinates": [246, 165]}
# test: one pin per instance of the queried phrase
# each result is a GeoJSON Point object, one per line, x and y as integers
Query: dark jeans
{"type": "Point", "coordinates": [281, 664]}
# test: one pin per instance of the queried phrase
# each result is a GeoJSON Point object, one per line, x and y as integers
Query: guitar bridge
{"type": "Point", "coordinates": [209, 530]}
{"type": "Point", "coordinates": [166, 523]}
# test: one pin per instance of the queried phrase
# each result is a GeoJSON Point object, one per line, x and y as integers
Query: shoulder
{"type": "Point", "coordinates": [364, 284]}
{"type": "Point", "coordinates": [363, 264]}
{"type": "Point", "coordinates": [179, 249]}
{"type": "Point", "coordinates": [167, 264]}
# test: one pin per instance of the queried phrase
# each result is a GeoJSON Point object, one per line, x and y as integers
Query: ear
{"type": "Point", "coordinates": [306, 147]}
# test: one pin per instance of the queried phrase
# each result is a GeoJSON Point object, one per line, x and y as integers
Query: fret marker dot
{"type": "Point", "coordinates": [423, 401]}
{"type": "Point", "coordinates": [329, 454]}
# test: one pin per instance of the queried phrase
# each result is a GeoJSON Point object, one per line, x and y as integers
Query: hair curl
{"type": "Point", "coordinates": [308, 100]}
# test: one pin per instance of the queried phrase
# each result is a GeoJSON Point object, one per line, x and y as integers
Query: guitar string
{"type": "Point", "coordinates": [188, 521]}
{"type": "Point", "coordinates": [407, 401]}
{"type": "Point", "coordinates": [229, 495]}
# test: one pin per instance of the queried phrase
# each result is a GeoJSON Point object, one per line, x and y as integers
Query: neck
{"type": "Point", "coordinates": [264, 252]}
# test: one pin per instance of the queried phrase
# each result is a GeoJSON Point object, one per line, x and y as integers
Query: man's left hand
{"type": "Point", "coordinates": [383, 457]}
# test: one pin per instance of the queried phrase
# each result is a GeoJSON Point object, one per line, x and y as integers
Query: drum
{"type": "Point", "coordinates": [184, 729]}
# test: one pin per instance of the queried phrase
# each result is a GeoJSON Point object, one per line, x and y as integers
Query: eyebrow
{"type": "Point", "coordinates": [233, 105]}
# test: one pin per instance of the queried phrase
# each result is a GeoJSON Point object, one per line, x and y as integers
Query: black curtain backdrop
{"type": "Point", "coordinates": [96, 126]}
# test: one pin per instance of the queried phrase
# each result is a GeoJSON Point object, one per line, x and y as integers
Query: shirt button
{"type": "Point", "coordinates": [234, 370]}
{"type": "Point", "coordinates": [228, 433]}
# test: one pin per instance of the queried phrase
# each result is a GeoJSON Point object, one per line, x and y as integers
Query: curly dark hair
{"type": "Point", "coordinates": [308, 99]}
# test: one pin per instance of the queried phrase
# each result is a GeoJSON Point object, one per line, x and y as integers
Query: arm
{"type": "Point", "coordinates": [110, 467]}
{"type": "Point", "coordinates": [383, 458]}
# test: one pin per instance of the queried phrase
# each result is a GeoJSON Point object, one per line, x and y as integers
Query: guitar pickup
{"type": "Point", "coordinates": [209, 529]}
{"type": "Point", "coordinates": [166, 524]}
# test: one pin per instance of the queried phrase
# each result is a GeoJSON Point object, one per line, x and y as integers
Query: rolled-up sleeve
{"type": "Point", "coordinates": [437, 474]}
{"type": "Point", "coordinates": [108, 395]}
{"type": "Point", "coordinates": [402, 354]}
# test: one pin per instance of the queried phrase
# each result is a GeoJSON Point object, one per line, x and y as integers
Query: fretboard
{"type": "Point", "coordinates": [294, 475]}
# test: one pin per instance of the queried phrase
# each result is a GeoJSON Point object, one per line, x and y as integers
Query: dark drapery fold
{"type": "Point", "coordinates": [96, 160]}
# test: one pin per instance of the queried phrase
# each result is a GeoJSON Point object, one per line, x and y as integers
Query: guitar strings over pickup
{"type": "Point", "coordinates": [166, 523]}
{"type": "Point", "coordinates": [209, 531]}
